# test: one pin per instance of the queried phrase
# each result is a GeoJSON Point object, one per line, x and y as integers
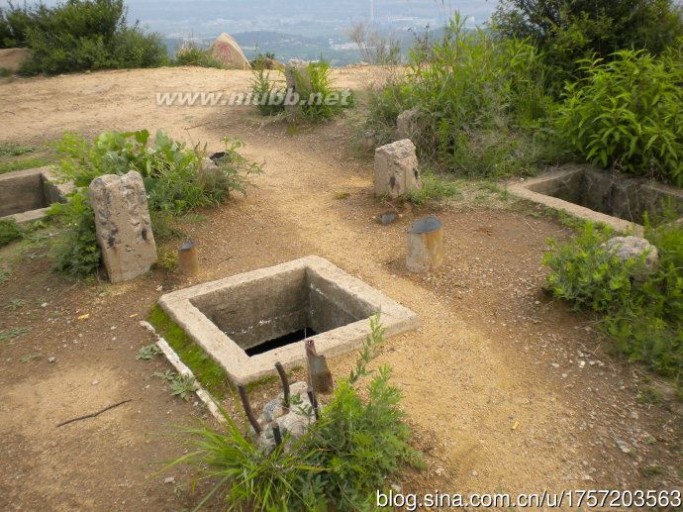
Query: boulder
{"type": "Point", "coordinates": [123, 225]}
{"type": "Point", "coordinates": [226, 51]}
{"type": "Point", "coordinates": [633, 247]}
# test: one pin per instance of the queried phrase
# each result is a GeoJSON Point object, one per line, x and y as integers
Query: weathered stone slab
{"type": "Point", "coordinates": [396, 169]}
{"type": "Point", "coordinates": [124, 228]}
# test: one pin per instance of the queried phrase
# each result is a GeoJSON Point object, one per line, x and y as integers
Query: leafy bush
{"type": "Point", "coordinates": [626, 114]}
{"type": "Point", "coordinates": [317, 101]}
{"type": "Point", "coordinates": [643, 312]}
{"type": "Point", "coordinates": [570, 30]}
{"type": "Point", "coordinates": [337, 465]}
{"type": "Point", "coordinates": [9, 232]}
{"type": "Point", "coordinates": [482, 103]}
{"type": "Point", "coordinates": [177, 181]}
{"type": "Point", "coordinates": [78, 35]}
{"type": "Point", "coordinates": [191, 54]}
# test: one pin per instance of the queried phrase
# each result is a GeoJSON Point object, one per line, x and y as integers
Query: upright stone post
{"type": "Point", "coordinates": [425, 245]}
{"type": "Point", "coordinates": [396, 169]}
{"type": "Point", "coordinates": [124, 228]}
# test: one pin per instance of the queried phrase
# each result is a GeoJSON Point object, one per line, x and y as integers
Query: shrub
{"type": "Point", "coordinates": [337, 465]}
{"type": "Point", "coordinates": [643, 313]}
{"type": "Point", "coordinates": [482, 103]}
{"type": "Point", "coordinates": [569, 30]}
{"type": "Point", "coordinates": [9, 232]}
{"type": "Point", "coordinates": [626, 114]}
{"type": "Point", "coordinates": [190, 54]}
{"type": "Point", "coordinates": [318, 99]}
{"type": "Point", "coordinates": [78, 35]}
{"type": "Point", "coordinates": [176, 180]}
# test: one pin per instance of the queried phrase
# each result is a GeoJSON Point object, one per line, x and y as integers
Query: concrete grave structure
{"type": "Point", "coordinates": [124, 228]}
{"type": "Point", "coordinates": [599, 196]}
{"type": "Point", "coordinates": [241, 315]}
{"type": "Point", "coordinates": [26, 195]}
{"type": "Point", "coordinates": [396, 169]}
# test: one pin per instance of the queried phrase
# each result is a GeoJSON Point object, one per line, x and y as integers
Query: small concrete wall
{"type": "Point", "coordinates": [25, 195]}
{"type": "Point", "coordinates": [226, 317]}
{"type": "Point", "coordinates": [591, 194]}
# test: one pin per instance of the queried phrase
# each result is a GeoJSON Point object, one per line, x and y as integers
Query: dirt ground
{"type": "Point", "coordinates": [507, 390]}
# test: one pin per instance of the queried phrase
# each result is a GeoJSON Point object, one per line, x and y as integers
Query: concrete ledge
{"type": "Point", "coordinates": [26, 195]}
{"type": "Point", "coordinates": [254, 298]}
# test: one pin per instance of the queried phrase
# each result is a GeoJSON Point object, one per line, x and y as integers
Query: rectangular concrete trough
{"type": "Point", "coordinates": [232, 315]}
{"type": "Point", "coordinates": [598, 196]}
{"type": "Point", "coordinates": [26, 195]}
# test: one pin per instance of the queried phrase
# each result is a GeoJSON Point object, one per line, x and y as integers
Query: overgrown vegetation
{"type": "Point", "coordinates": [567, 31]}
{"type": "Point", "coordinates": [358, 443]}
{"type": "Point", "coordinates": [626, 115]}
{"type": "Point", "coordinates": [178, 180]}
{"type": "Point", "coordinates": [77, 35]}
{"type": "Point", "coordinates": [9, 232]}
{"type": "Point", "coordinates": [191, 54]}
{"type": "Point", "coordinates": [311, 99]}
{"type": "Point", "coordinates": [642, 311]}
{"type": "Point", "coordinates": [211, 375]}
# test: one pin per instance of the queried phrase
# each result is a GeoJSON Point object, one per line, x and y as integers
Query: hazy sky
{"type": "Point", "coordinates": [207, 16]}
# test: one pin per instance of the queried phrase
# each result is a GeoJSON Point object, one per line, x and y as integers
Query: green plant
{"type": "Point", "coordinates": [76, 252]}
{"type": "Point", "coordinates": [206, 370]}
{"type": "Point", "coordinates": [78, 35]}
{"type": "Point", "coordinates": [148, 352]}
{"type": "Point", "coordinates": [14, 332]}
{"type": "Point", "coordinates": [4, 72]}
{"type": "Point", "coordinates": [434, 189]}
{"type": "Point", "coordinates": [570, 30]}
{"type": "Point", "coordinates": [183, 386]}
{"type": "Point", "coordinates": [167, 259]}
{"type": "Point", "coordinates": [15, 304]}
{"type": "Point", "coordinates": [9, 232]}
{"type": "Point", "coordinates": [168, 375]}
{"type": "Point", "coordinates": [191, 54]}
{"type": "Point", "coordinates": [11, 149]}
{"type": "Point", "coordinates": [4, 273]}
{"type": "Point", "coordinates": [359, 440]}
{"type": "Point", "coordinates": [642, 311]}
{"type": "Point", "coordinates": [626, 115]}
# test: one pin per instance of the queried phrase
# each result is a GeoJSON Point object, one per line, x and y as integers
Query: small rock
{"type": "Point", "coordinates": [95, 382]}
{"type": "Point", "coordinates": [475, 473]}
{"type": "Point", "coordinates": [439, 472]}
{"type": "Point", "coordinates": [169, 480]}
{"type": "Point", "coordinates": [44, 305]}
{"type": "Point", "coordinates": [623, 446]}
{"type": "Point", "coordinates": [51, 359]}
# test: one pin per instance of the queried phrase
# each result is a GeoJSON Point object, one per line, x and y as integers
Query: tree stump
{"type": "Point", "coordinates": [187, 259]}
{"type": "Point", "coordinates": [425, 245]}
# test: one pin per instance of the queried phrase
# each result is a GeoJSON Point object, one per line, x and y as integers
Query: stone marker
{"type": "Point", "coordinates": [124, 229]}
{"type": "Point", "coordinates": [396, 169]}
{"type": "Point", "coordinates": [425, 245]}
{"type": "Point", "coordinates": [228, 52]}
{"type": "Point", "coordinates": [408, 124]}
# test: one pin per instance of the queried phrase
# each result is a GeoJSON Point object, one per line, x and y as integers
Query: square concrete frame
{"type": "Point", "coordinates": [242, 369]}
{"type": "Point", "coordinates": [538, 189]}
{"type": "Point", "coordinates": [22, 185]}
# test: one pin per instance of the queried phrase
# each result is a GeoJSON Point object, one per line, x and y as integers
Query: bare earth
{"type": "Point", "coordinates": [494, 382]}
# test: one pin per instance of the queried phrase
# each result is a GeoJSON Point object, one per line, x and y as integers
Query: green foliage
{"type": "Point", "coordinates": [264, 61]}
{"type": "Point", "coordinates": [12, 333]}
{"type": "Point", "coordinates": [11, 149]}
{"type": "Point", "coordinates": [358, 442]}
{"type": "Point", "coordinates": [626, 114]}
{"type": "Point", "coordinates": [434, 189]}
{"type": "Point", "coordinates": [206, 370]}
{"type": "Point", "coordinates": [76, 252]}
{"type": "Point", "coordinates": [191, 54]}
{"type": "Point", "coordinates": [78, 35]}
{"type": "Point", "coordinates": [569, 30]}
{"type": "Point", "coordinates": [23, 163]}
{"type": "Point", "coordinates": [183, 386]}
{"type": "Point", "coordinates": [9, 232]}
{"type": "Point", "coordinates": [643, 312]}
{"type": "Point", "coordinates": [148, 352]}
{"type": "Point", "coordinates": [483, 109]}
{"type": "Point", "coordinates": [317, 99]}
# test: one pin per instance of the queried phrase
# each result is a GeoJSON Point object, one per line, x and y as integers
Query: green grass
{"type": "Point", "coordinates": [207, 372]}
{"type": "Point", "coordinates": [12, 149]}
{"type": "Point", "coordinates": [14, 332]}
{"type": "Point", "coordinates": [434, 189]}
{"type": "Point", "coordinates": [4, 73]}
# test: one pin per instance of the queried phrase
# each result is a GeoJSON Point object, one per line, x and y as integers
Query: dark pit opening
{"type": "Point", "coordinates": [277, 310]}
{"type": "Point", "coordinates": [282, 341]}
{"type": "Point", "coordinates": [617, 195]}
{"type": "Point", "coordinates": [22, 194]}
